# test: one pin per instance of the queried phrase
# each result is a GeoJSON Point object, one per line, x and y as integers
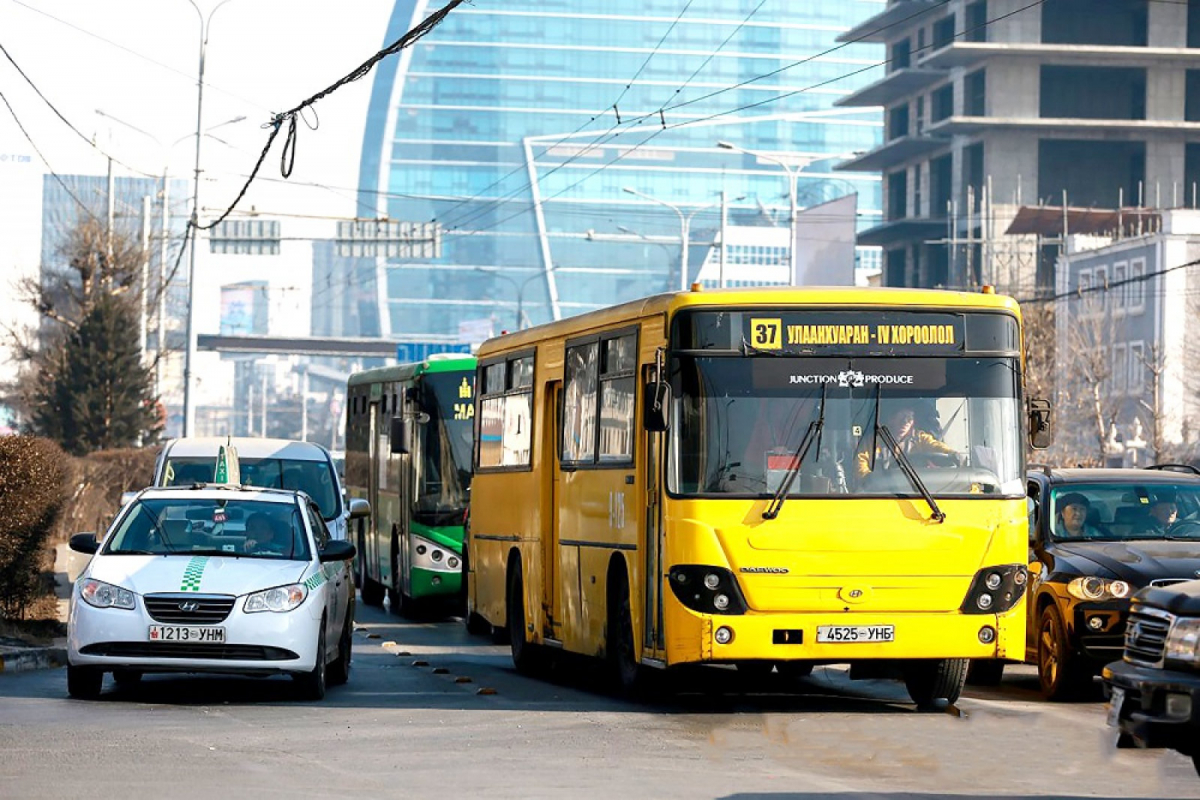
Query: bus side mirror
{"type": "Point", "coordinates": [1041, 433]}
{"type": "Point", "coordinates": [656, 411]}
{"type": "Point", "coordinates": [399, 436]}
{"type": "Point", "coordinates": [359, 508]}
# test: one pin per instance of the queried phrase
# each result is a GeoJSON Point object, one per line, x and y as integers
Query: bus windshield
{"type": "Point", "coordinates": [446, 440]}
{"type": "Point", "coordinates": [739, 423]}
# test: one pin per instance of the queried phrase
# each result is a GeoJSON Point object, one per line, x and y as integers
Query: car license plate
{"type": "Point", "coordinates": [186, 633]}
{"type": "Point", "coordinates": [838, 634]}
{"type": "Point", "coordinates": [1114, 706]}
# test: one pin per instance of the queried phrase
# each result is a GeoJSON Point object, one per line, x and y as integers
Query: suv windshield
{"type": "Point", "coordinates": [1118, 511]}
{"type": "Point", "coordinates": [197, 526]}
{"type": "Point", "coordinates": [314, 478]}
{"type": "Point", "coordinates": [740, 420]}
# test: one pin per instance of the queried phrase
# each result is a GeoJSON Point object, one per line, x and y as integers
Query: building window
{"type": "Point", "coordinates": [897, 194]}
{"type": "Point", "coordinates": [920, 115]}
{"type": "Point", "coordinates": [917, 209]}
{"type": "Point", "coordinates": [1193, 23]}
{"type": "Point", "coordinates": [506, 414]}
{"type": "Point", "coordinates": [1135, 290]}
{"type": "Point", "coordinates": [895, 267]}
{"type": "Point", "coordinates": [1104, 22]}
{"type": "Point", "coordinates": [941, 103]}
{"type": "Point", "coordinates": [901, 55]}
{"type": "Point", "coordinates": [1191, 175]}
{"type": "Point", "coordinates": [1119, 273]}
{"type": "Point", "coordinates": [976, 20]}
{"type": "Point", "coordinates": [1120, 368]}
{"type": "Point", "coordinates": [1091, 172]}
{"type": "Point", "coordinates": [941, 172]}
{"type": "Point", "coordinates": [1191, 105]}
{"type": "Point", "coordinates": [897, 121]}
{"type": "Point", "coordinates": [1100, 282]}
{"type": "Point", "coordinates": [972, 175]}
{"type": "Point", "coordinates": [1137, 368]}
{"type": "Point", "coordinates": [943, 32]}
{"type": "Point", "coordinates": [975, 94]}
{"type": "Point", "coordinates": [1092, 92]}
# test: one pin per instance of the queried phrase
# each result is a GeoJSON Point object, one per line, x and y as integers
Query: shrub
{"type": "Point", "coordinates": [97, 482]}
{"type": "Point", "coordinates": [33, 474]}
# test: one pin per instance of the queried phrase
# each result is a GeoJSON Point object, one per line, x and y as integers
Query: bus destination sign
{"type": "Point", "coordinates": [829, 333]}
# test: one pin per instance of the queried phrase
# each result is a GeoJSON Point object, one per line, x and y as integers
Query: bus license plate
{"type": "Point", "coordinates": [186, 633]}
{"type": "Point", "coordinates": [838, 634]}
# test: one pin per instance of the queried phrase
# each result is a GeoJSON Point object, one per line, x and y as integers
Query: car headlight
{"type": "Point", "coordinates": [1183, 641]}
{"type": "Point", "coordinates": [105, 595]}
{"type": "Point", "coordinates": [1093, 588]}
{"type": "Point", "coordinates": [279, 599]}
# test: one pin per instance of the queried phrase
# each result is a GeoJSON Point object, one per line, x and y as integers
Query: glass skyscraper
{"type": "Point", "coordinates": [564, 147]}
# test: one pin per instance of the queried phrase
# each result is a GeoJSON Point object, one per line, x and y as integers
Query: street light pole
{"type": "Point", "coordinates": [189, 400]}
{"type": "Point", "coordinates": [518, 287]}
{"type": "Point", "coordinates": [792, 174]}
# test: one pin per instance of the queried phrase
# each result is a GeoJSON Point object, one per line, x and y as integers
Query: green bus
{"type": "Point", "coordinates": [409, 435]}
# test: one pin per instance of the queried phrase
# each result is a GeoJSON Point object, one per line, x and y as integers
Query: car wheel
{"type": "Point", "coordinates": [126, 678]}
{"type": "Point", "coordinates": [312, 684]}
{"type": "Point", "coordinates": [985, 672]}
{"type": "Point", "coordinates": [84, 683]}
{"type": "Point", "coordinates": [339, 670]}
{"type": "Point", "coordinates": [1059, 673]}
{"type": "Point", "coordinates": [930, 681]}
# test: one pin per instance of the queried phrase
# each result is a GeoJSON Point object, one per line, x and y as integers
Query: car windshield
{"type": "Point", "coordinates": [211, 526]}
{"type": "Point", "coordinates": [1118, 511]}
{"type": "Point", "coordinates": [314, 478]}
{"type": "Point", "coordinates": [740, 422]}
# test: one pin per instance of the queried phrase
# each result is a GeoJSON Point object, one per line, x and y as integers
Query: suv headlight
{"type": "Point", "coordinates": [1092, 588]}
{"type": "Point", "coordinates": [1183, 641]}
{"type": "Point", "coordinates": [105, 595]}
{"type": "Point", "coordinates": [279, 599]}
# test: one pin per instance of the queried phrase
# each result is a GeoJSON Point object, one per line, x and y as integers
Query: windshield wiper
{"type": "Point", "coordinates": [907, 468]}
{"type": "Point", "coordinates": [813, 434]}
{"type": "Point", "coordinates": [750, 350]}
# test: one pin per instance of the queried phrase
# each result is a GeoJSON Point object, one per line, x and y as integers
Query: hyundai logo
{"type": "Point", "coordinates": [189, 606]}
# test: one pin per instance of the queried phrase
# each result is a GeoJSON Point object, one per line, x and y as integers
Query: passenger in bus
{"type": "Point", "coordinates": [1072, 521]}
{"type": "Point", "coordinates": [921, 446]}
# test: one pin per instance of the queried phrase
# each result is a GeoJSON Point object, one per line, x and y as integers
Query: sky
{"type": "Point", "coordinates": [137, 61]}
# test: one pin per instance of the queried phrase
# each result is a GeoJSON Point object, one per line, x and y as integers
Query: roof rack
{"type": "Point", "coordinates": [1045, 468]}
{"type": "Point", "coordinates": [1188, 468]}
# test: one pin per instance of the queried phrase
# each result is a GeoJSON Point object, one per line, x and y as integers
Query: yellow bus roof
{"type": "Point", "coordinates": [817, 296]}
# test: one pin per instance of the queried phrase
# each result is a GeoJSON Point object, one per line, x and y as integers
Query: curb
{"type": "Point", "coordinates": [21, 660]}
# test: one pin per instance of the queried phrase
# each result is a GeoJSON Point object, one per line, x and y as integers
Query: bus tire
{"type": "Point", "coordinates": [985, 672]}
{"type": "Point", "coordinates": [794, 670]}
{"type": "Point", "coordinates": [619, 646]}
{"type": "Point", "coordinates": [525, 655]}
{"type": "Point", "coordinates": [931, 681]}
{"type": "Point", "coordinates": [372, 592]}
{"type": "Point", "coordinates": [477, 625]}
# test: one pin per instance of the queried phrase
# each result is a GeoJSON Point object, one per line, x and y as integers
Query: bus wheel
{"type": "Point", "coordinates": [985, 672]}
{"type": "Point", "coordinates": [372, 592]}
{"type": "Point", "coordinates": [525, 655]}
{"type": "Point", "coordinates": [477, 625]}
{"type": "Point", "coordinates": [756, 672]}
{"type": "Point", "coordinates": [626, 672]}
{"type": "Point", "coordinates": [932, 680]}
{"type": "Point", "coordinates": [794, 670]}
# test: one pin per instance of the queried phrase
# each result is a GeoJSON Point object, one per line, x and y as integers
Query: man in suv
{"type": "Point", "coordinates": [1155, 689]}
{"type": "Point", "coordinates": [1096, 536]}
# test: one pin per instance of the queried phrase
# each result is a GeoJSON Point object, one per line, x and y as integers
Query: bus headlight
{"type": "Point", "coordinates": [1096, 589]}
{"type": "Point", "coordinates": [707, 590]}
{"type": "Point", "coordinates": [995, 589]}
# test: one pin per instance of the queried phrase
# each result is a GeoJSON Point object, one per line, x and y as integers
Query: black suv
{"type": "Point", "coordinates": [1154, 693]}
{"type": "Point", "coordinates": [1096, 536]}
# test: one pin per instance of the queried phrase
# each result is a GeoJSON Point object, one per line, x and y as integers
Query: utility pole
{"type": "Point", "coordinates": [724, 230]}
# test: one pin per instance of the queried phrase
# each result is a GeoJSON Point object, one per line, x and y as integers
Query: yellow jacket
{"type": "Point", "coordinates": [916, 443]}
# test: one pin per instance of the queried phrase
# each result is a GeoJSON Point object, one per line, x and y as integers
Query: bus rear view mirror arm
{"type": "Point", "coordinates": [656, 416]}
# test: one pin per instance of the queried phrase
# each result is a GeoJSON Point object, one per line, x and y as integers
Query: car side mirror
{"type": "Point", "coordinates": [85, 543]}
{"type": "Point", "coordinates": [1041, 432]}
{"type": "Point", "coordinates": [359, 508]}
{"type": "Point", "coordinates": [337, 550]}
{"type": "Point", "coordinates": [399, 436]}
{"type": "Point", "coordinates": [656, 408]}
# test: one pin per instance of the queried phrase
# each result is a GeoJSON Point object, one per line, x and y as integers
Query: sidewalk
{"type": "Point", "coordinates": [17, 655]}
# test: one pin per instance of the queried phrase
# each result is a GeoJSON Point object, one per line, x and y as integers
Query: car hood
{"type": "Point", "coordinates": [1139, 562]}
{"type": "Point", "coordinates": [202, 574]}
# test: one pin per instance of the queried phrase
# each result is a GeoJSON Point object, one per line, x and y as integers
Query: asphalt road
{"type": "Point", "coordinates": [409, 724]}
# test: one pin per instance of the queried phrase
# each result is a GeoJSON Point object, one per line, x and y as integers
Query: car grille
{"type": "Point", "coordinates": [209, 608]}
{"type": "Point", "coordinates": [1168, 581]}
{"type": "Point", "coordinates": [1146, 636]}
{"type": "Point", "coordinates": [220, 652]}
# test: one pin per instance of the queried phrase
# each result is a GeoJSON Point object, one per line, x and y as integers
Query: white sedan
{"type": "Point", "coordinates": [222, 579]}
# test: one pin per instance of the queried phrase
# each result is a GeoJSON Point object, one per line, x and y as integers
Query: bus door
{"type": "Point", "coordinates": [371, 557]}
{"type": "Point", "coordinates": [551, 591]}
{"type": "Point", "coordinates": [654, 545]}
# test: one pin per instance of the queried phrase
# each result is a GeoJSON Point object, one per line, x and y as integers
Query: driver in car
{"type": "Point", "coordinates": [913, 441]}
{"type": "Point", "coordinates": [1163, 514]}
{"type": "Point", "coordinates": [262, 536]}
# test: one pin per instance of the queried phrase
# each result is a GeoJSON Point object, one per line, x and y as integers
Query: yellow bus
{"type": "Point", "coordinates": [770, 478]}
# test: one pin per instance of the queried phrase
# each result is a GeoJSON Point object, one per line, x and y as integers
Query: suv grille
{"type": "Point", "coordinates": [1146, 636]}
{"type": "Point", "coordinates": [209, 608]}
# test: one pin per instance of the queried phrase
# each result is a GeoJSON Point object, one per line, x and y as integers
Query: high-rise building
{"type": "Point", "coordinates": [991, 105]}
{"type": "Point", "coordinates": [568, 150]}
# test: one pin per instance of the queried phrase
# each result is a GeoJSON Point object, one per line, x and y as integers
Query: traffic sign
{"type": "Point", "coordinates": [409, 352]}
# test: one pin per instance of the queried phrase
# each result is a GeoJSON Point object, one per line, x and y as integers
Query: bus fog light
{"type": "Point", "coordinates": [721, 602]}
{"type": "Point", "coordinates": [987, 634]}
{"type": "Point", "coordinates": [1020, 577]}
{"type": "Point", "coordinates": [436, 555]}
{"type": "Point", "coordinates": [984, 601]}
{"type": "Point", "coordinates": [435, 580]}
{"type": "Point", "coordinates": [420, 549]}
{"type": "Point", "coordinates": [993, 581]}
{"type": "Point", "coordinates": [1179, 706]}
{"type": "Point", "coordinates": [1096, 623]}
{"type": "Point", "coordinates": [712, 580]}
{"type": "Point", "coordinates": [723, 635]}
{"type": "Point", "coordinates": [452, 562]}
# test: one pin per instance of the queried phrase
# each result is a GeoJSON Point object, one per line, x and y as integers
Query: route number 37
{"type": "Point", "coordinates": [765, 334]}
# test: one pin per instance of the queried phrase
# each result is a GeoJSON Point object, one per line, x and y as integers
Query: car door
{"type": "Point", "coordinates": [337, 579]}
